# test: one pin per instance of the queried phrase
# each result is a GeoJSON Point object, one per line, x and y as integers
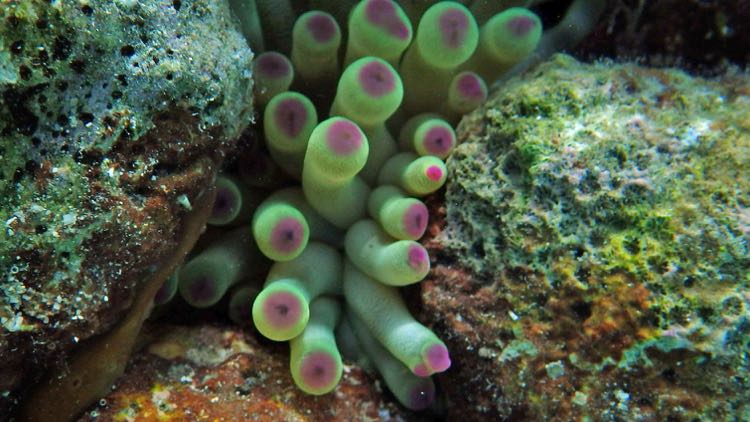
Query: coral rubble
{"type": "Point", "coordinates": [222, 373]}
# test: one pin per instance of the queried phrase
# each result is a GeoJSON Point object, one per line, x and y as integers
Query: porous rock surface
{"type": "Point", "coordinates": [591, 258]}
{"type": "Point", "coordinates": [113, 116]}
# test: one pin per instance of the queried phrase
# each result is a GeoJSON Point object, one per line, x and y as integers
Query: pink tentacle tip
{"type": "Point", "coordinates": [418, 257]}
{"type": "Point", "coordinates": [273, 65]}
{"type": "Point", "coordinates": [287, 235]}
{"type": "Point", "coordinates": [454, 24]}
{"type": "Point", "coordinates": [470, 86]}
{"type": "Point", "coordinates": [377, 79]}
{"type": "Point", "coordinates": [322, 27]}
{"type": "Point", "coordinates": [290, 116]}
{"type": "Point", "coordinates": [415, 220]}
{"type": "Point", "coordinates": [202, 288]}
{"type": "Point", "coordinates": [422, 396]}
{"type": "Point", "coordinates": [344, 137]}
{"type": "Point", "coordinates": [521, 25]}
{"type": "Point", "coordinates": [421, 370]}
{"type": "Point", "coordinates": [438, 141]}
{"type": "Point", "coordinates": [382, 13]}
{"type": "Point", "coordinates": [282, 309]}
{"type": "Point", "coordinates": [224, 202]}
{"type": "Point", "coordinates": [438, 358]}
{"type": "Point", "coordinates": [318, 370]}
{"type": "Point", "coordinates": [434, 173]}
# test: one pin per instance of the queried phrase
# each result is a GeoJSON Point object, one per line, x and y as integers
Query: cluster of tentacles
{"type": "Point", "coordinates": [354, 136]}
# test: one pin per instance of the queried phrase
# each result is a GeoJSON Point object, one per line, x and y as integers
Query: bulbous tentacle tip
{"type": "Point", "coordinates": [288, 236]}
{"type": "Point", "coordinates": [434, 173]}
{"type": "Point", "coordinates": [521, 25]}
{"type": "Point", "coordinates": [227, 202]}
{"type": "Point", "coordinates": [415, 220]}
{"type": "Point", "coordinates": [418, 258]}
{"type": "Point", "coordinates": [201, 290]}
{"type": "Point", "coordinates": [438, 358]}
{"type": "Point", "coordinates": [471, 86]}
{"type": "Point", "coordinates": [439, 141]}
{"type": "Point", "coordinates": [282, 310]}
{"type": "Point", "coordinates": [377, 78]}
{"type": "Point", "coordinates": [421, 395]}
{"type": "Point", "coordinates": [384, 14]}
{"type": "Point", "coordinates": [421, 370]}
{"type": "Point", "coordinates": [290, 116]}
{"type": "Point", "coordinates": [435, 359]}
{"type": "Point", "coordinates": [319, 372]}
{"type": "Point", "coordinates": [280, 314]}
{"type": "Point", "coordinates": [344, 137]}
{"type": "Point", "coordinates": [322, 27]}
{"type": "Point", "coordinates": [273, 65]}
{"type": "Point", "coordinates": [280, 230]}
{"type": "Point", "coordinates": [454, 25]}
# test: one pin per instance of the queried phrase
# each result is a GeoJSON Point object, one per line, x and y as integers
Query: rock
{"type": "Point", "coordinates": [113, 116]}
{"type": "Point", "coordinates": [222, 373]}
{"type": "Point", "coordinates": [592, 261]}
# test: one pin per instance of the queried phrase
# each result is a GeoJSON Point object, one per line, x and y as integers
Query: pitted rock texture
{"type": "Point", "coordinates": [593, 258]}
{"type": "Point", "coordinates": [113, 115]}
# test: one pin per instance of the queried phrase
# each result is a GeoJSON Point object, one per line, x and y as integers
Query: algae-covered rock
{"type": "Point", "coordinates": [114, 115]}
{"type": "Point", "coordinates": [595, 260]}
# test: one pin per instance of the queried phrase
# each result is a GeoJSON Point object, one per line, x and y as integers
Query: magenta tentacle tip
{"type": "Point", "coordinates": [418, 258]}
{"type": "Point", "coordinates": [377, 79]}
{"type": "Point", "coordinates": [344, 137]}
{"type": "Point", "coordinates": [202, 289]}
{"type": "Point", "coordinates": [224, 203]}
{"type": "Point", "coordinates": [415, 219]}
{"type": "Point", "coordinates": [521, 25]}
{"type": "Point", "coordinates": [438, 358]}
{"type": "Point", "coordinates": [287, 235]}
{"type": "Point", "coordinates": [470, 86]}
{"type": "Point", "coordinates": [421, 370]}
{"type": "Point", "coordinates": [438, 141]}
{"type": "Point", "coordinates": [322, 27]}
{"type": "Point", "coordinates": [434, 173]}
{"type": "Point", "coordinates": [318, 370]}
{"type": "Point", "coordinates": [422, 396]}
{"type": "Point", "coordinates": [282, 310]}
{"type": "Point", "coordinates": [290, 116]}
{"type": "Point", "coordinates": [273, 65]}
{"type": "Point", "coordinates": [382, 13]}
{"type": "Point", "coordinates": [454, 25]}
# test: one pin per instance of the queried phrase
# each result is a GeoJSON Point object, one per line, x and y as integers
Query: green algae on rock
{"type": "Point", "coordinates": [601, 214]}
{"type": "Point", "coordinates": [105, 107]}
{"type": "Point", "coordinates": [94, 367]}
{"type": "Point", "coordinates": [618, 164]}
